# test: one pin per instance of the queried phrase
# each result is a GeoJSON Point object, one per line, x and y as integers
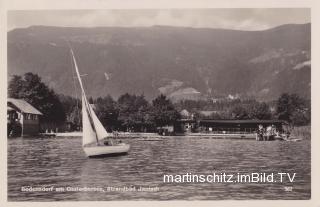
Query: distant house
{"type": "Point", "coordinates": [187, 122]}
{"type": "Point", "coordinates": [185, 94]}
{"type": "Point", "coordinates": [185, 113]}
{"type": "Point", "coordinates": [166, 130]}
{"type": "Point", "coordinates": [208, 113]}
{"type": "Point", "coordinates": [185, 125]}
{"type": "Point", "coordinates": [23, 118]}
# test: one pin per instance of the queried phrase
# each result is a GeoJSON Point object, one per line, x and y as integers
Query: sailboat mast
{"type": "Point", "coordinates": [84, 95]}
{"type": "Point", "coordinates": [77, 72]}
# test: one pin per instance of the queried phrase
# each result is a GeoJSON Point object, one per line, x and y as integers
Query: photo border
{"type": "Point", "coordinates": [7, 5]}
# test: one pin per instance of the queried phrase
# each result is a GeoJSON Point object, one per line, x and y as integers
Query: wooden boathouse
{"type": "Point", "coordinates": [22, 118]}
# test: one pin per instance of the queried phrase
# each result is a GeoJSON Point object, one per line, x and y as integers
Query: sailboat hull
{"type": "Point", "coordinates": [102, 151]}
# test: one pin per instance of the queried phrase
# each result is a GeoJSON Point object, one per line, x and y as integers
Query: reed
{"type": "Point", "coordinates": [301, 132]}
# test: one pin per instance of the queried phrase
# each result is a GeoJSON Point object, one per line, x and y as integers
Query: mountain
{"type": "Point", "coordinates": [183, 63]}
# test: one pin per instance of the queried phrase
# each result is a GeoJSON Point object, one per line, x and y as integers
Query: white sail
{"type": "Point", "coordinates": [88, 134]}
{"type": "Point", "coordinates": [100, 130]}
{"type": "Point", "coordinates": [93, 130]}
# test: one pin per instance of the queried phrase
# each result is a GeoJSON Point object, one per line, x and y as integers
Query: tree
{"type": "Point", "coordinates": [34, 91]}
{"type": "Point", "coordinates": [72, 108]}
{"type": "Point", "coordinates": [294, 109]}
{"type": "Point", "coordinates": [107, 112]}
{"type": "Point", "coordinates": [90, 100]}
{"type": "Point", "coordinates": [15, 87]}
{"type": "Point", "coordinates": [163, 111]}
{"type": "Point", "coordinates": [133, 111]}
{"type": "Point", "coordinates": [259, 111]}
{"type": "Point", "coordinates": [239, 112]}
{"type": "Point", "coordinates": [299, 119]}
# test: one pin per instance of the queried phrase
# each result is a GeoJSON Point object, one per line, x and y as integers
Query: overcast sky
{"type": "Point", "coordinates": [242, 19]}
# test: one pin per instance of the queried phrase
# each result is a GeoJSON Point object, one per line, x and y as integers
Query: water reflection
{"type": "Point", "coordinates": [60, 162]}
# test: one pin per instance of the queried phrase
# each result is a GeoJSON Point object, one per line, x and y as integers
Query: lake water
{"type": "Point", "coordinates": [61, 163]}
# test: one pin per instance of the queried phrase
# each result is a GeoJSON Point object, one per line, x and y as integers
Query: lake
{"type": "Point", "coordinates": [61, 163]}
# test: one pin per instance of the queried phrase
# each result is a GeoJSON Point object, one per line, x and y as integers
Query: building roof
{"type": "Point", "coordinates": [186, 121]}
{"type": "Point", "coordinates": [208, 113]}
{"type": "Point", "coordinates": [24, 106]}
{"type": "Point", "coordinates": [184, 112]}
{"type": "Point", "coordinates": [241, 121]}
{"type": "Point", "coordinates": [10, 108]}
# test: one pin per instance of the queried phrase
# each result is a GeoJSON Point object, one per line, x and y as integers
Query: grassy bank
{"type": "Point", "coordinates": [302, 132]}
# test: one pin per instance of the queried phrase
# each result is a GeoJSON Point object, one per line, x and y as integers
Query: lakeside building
{"type": "Point", "coordinates": [185, 126]}
{"type": "Point", "coordinates": [22, 117]}
{"type": "Point", "coordinates": [236, 126]}
{"type": "Point", "coordinates": [166, 130]}
{"type": "Point", "coordinates": [185, 113]}
{"type": "Point", "coordinates": [206, 124]}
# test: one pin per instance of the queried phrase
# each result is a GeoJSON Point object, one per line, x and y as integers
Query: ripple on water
{"type": "Point", "coordinates": [60, 162]}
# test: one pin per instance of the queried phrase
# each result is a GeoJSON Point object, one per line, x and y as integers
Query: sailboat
{"type": "Point", "coordinates": [93, 132]}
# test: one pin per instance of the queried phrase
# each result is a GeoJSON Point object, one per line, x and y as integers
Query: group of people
{"type": "Point", "coordinates": [114, 141]}
{"type": "Point", "coordinates": [266, 134]}
{"type": "Point", "coordinates": [111, 142]}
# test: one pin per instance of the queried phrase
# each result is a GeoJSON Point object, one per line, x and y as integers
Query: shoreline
{"type": "Point", "coordinates": [156, 135]}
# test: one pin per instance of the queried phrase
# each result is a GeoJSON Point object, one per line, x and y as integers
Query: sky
{"type": "Point", "coordinates": [239, 19]}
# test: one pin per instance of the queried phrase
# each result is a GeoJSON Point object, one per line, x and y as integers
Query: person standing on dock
{"type": "Point", "coordinates": [260, 133]}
